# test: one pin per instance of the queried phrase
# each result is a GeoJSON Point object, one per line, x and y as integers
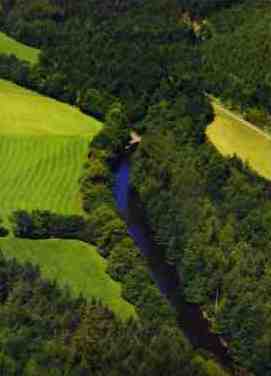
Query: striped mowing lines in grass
{"type": "Point", "coordinates": [43, 145]}
{"type": "Point", "coordinates": [11, 47]}
{"type": "Point", "coordinates": [41, 173]}
{"type": "Point", "coordinates": [74, 264]}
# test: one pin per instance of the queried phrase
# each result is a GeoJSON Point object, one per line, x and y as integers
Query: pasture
{"type": "Point", "coordinates": [74, 264]}
{"type": "Point", "coordinates": [233, 136]}
{"type": "Point", "coordinates": [10, 46]}
{"type": "Point", "coordinates": [43, 145]}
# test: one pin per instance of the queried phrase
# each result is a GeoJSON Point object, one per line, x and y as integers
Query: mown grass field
{"type": "Point", "coordinates": [25, 112]}
{"type": "Point", "coordinates": [11, 46]}
{"type": "Point", "coordinates": [43, 144]}
{"type": "Point", "coordinates": [74, 264]}
{"type": "Point", "coordinates": [233, 137]}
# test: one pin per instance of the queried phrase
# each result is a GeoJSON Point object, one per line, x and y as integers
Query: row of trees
{"type": "Point", "coordinates": [44, 225]}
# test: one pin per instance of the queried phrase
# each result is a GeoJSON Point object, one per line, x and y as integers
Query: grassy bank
{"type": "Point", "coordinates": [21, 51]}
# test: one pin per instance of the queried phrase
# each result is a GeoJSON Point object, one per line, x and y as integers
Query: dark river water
{"type": "Point", "coordinates": [190, 317]}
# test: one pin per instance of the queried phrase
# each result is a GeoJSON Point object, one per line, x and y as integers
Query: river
{"type": "Point", "coordinates": [190, 317]}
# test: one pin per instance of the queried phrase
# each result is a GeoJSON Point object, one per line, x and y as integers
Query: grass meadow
{"type": "Point", "coordinates": [74, 264]}
{"type": "Point", "coordinates": [24, 112]}
{"type": "Point", "coordinates": [11, 47]}
{"type": "Point", "coordinates": [233, 137]}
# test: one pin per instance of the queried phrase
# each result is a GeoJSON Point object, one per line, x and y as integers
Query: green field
{"type": "Point", "coordinates": [72, 263]}
{"type": "Point", "coordinates": [11, 46]}
{"type": "Point", "coordinates": [43, 144]}
{"type": "Point", "coordinates": [25, 112]}
{"type": "Point", "coordinates": [235, 137]}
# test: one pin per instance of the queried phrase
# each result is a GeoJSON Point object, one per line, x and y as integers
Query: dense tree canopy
{"type": "Point", "coordinates": [43, 331]}
{"type": "Point", "coordinates": [212, 217]}
{"type": "Point", "coordinates": [237, 58]}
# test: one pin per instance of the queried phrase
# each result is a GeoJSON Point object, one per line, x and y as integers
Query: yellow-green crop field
{"type": "Point", "coordinates": [10, 46]}
{"type": "Point", "coordinates": [232, 136]}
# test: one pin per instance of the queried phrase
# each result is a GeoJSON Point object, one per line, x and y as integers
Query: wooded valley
{"type": "Point", "coordinates": [156, 68]}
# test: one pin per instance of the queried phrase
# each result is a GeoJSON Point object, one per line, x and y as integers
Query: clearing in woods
{"type": "Point", "coordinates": [232, 135]}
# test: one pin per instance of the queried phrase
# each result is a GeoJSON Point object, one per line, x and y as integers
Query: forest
{"type": "Point", "coordinates": [44, 331]}
{"type": "Point", "coordinates": [237, 59]}
{"type": "Point", "coordinates": [147, 66]}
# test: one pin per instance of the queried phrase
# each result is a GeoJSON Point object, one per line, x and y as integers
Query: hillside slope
{"type": "Point", "coordinates": [11, 47]}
